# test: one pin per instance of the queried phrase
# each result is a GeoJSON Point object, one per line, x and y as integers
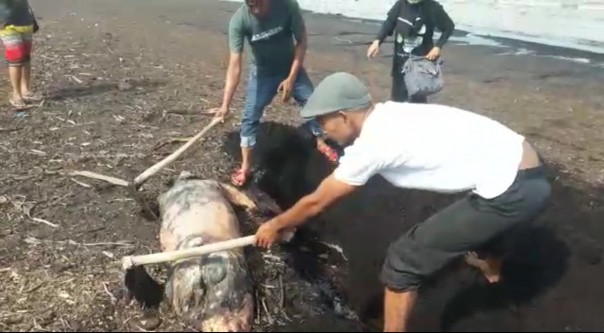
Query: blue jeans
{"type": "Point", "coordinates": [260, 92]}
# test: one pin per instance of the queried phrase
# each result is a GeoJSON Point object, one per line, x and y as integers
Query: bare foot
{"type": "Point", "coordinates": [490, 267]}
{"type": "Point", "coordinates": [32, 97]}
{"type": "Point", "coordinates": [18, 102]}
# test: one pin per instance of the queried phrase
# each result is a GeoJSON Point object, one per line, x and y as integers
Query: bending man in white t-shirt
{"type": "Point", "coordinates": [429, 147]}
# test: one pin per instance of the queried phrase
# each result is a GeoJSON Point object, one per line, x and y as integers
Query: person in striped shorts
{"type": "Point", "coordinates": [16, 31]}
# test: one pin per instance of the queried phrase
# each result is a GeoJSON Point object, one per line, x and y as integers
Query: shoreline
{"type": "Point", "coordinates": [584, 45]}
{"type": "Point", "coordinates": [573, 44]}
{"type": "Point", "coordinates": [525, 47]}
{"type": "Point", "coordinates": [534, 47]}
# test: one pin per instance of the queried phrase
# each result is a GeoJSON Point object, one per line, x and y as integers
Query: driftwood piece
{"type": "Point", "coordinates": [140, 179]}
{"type": "Point", "coordinates": [94, 175]}
{"type": "Point", "coordinates": [134, 185]}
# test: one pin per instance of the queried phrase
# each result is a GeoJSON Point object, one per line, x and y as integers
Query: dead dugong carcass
{"type": "Point", "coordinates": [213, 293]}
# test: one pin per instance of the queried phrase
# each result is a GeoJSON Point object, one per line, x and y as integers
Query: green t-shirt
{"type": "Point", "coordinates": [271, 38]}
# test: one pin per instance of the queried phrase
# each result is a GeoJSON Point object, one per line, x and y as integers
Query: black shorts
{"type": "Point", "coordinates": [470, 224]}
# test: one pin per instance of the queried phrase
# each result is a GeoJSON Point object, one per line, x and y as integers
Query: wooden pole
{"type": "Point", "coordinates": [140, 179]}
{"type": "Point", "coordinates": [156, 258]}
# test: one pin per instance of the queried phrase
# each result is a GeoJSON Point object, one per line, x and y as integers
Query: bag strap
{"type": "Point", "coordinates": [33, 16]}
{"type": "Point", "coordinates": [414, 58]}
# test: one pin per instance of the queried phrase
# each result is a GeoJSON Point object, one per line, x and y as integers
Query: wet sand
{"type": "Point", "coordinates": [554, 280]}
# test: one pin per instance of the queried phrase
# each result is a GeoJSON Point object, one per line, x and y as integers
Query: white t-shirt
{"type": "Point", "coordinates": [433, 147]}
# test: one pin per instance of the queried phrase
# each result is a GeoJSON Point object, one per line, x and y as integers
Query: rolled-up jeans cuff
{"type": "Point", "coordinates": [248, 141]}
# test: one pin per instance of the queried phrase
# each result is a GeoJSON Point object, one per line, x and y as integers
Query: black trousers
{"type": "Point", "coordinates": [399, 91]}
{"type": "Point", "coordinates": [470, 224]}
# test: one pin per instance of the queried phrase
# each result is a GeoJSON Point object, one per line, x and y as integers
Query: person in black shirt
{"type": "Point", "coordinates": [413, 23]}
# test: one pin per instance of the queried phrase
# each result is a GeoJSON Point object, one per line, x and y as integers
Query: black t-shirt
{"type": "Point", "coordinates": [413, 28]}
{"type": "Point", "coordinates": [15, 12]}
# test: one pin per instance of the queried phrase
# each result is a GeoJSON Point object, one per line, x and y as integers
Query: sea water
{"type": "Point", "coordinates": [577, 24]}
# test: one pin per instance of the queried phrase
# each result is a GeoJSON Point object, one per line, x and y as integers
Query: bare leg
{"type": "Point", "coordinates": [397, 309]}
{"type": "Point", "coordinates": [237, 197]}
{"type": "Point", "coordinates": [490, 267]}
{"type": "Point", "coordinates": [246, 158]}
{"type": "Point", "coordinates": [26, 90]}
{"type": "Point", "coordinates": [242, 199]}
{"type": "Point", "coordinates": [26, 79]}
{"type": "Point", "coordinates": [15, 73]}
{"type": "Point", "coordinates": [240, 176]}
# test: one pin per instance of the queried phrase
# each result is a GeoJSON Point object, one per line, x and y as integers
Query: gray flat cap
{"type": "Point", "coordinates": [337, 92]}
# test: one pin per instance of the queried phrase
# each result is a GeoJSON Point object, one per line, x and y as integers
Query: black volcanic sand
{"type": "Point", "coordinates": [124, 78]}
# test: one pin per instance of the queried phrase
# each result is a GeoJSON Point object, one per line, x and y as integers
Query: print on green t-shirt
{"type": "Point", "coordinates": [271, 38]}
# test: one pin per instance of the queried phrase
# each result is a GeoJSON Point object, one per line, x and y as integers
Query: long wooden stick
{"type": "Point", "coordinates": [156, 258]}
{"type": "Point", "coordinates": [172, 157]}
{"type": "Point", "coordinates": [94, 175]}
{"type": "Point", "coordinates": [149, 172]}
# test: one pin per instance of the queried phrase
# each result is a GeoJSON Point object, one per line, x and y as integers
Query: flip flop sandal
{"type": "Point", "coordinates": [239, 177]}
{"type": "Point", "coordinates": [19, 105]}
{"type": "Point", "coordinates": [33, 97]}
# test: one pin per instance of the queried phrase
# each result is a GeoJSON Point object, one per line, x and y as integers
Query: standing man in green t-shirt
{"type": "Point", "coordinates": [270, 28]}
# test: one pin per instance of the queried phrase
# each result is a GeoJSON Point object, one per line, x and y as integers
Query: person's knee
{"type": "Point", "coordinates": [398, 271]}
{"type": "Point", "coordinates": [303, 89]}
{"type": "Point", "coordinates": [410, 261]}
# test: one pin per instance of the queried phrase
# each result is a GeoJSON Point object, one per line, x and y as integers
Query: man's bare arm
{"type": "Point", "coordinates": [301, 48]}
{"type": "Point", "coordinates": [300, 34]}
{"type": "Point", "coordinates": [232, 78]}
{"type": "Point", "coordinates": [329, 191]}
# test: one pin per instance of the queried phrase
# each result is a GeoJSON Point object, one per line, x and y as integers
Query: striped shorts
{"type": "Point", "coordinates": [17, 42]}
